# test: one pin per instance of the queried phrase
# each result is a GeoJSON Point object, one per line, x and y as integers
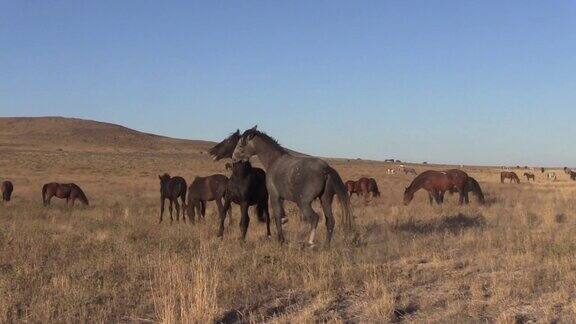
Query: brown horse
{"type": "Point", "coordinates": [203, 189]}
{"type": "Point", "coordinates": [529, 176]}
{"type": "Point", "coordinates": [437, 183]}
{"type": "Point", "coordinates": [172, 188]}
{"type": "Point", "coordinates": [472, 186]}
{"type": "Point", "coordinates": [69, 191]}
{"type": "Point", "coordinates": [7, 188]}
{"type": "Point", "coordinates": [365, 186]}
{"type": "Point", "coordinates": [572, 174]}
{"type": "Point", "coordinates": [410, 171]}
{"type": "Point", "coordinates": [509, 175]}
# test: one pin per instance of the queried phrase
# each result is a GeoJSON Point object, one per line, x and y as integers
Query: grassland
{"type": "Point", "coordinates": [511, 260]}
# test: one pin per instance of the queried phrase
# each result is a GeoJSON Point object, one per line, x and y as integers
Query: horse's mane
{"type": "Point", "coordinates": [265, 137]}
{"type": "Point", "coordinates": [225, 148]}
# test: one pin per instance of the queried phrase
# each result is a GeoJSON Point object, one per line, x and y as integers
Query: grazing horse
{"type": "Point", "coordinates": [410, 171]}
{"type": "Point", "coordinates": [437, 183]}
{"type": "Point", "coordinates": [70, 191]}
{"type": "Point", "coordinates": [246, 187]}
{"type": "Point", "coordinates": [509, 175]}
{"type": "Point", "coordinates": [7, 188]}
{"type": "Point", "coordinates": [551, 176]}
{"type": "Point", "coordinates": [542, 170]}
{"type": "Point", "coordinates": [203, 189]}
{"type": "Point", "coordinates": [572, 175]}
{"type": "Point", "coordinates": [365, 186]}
{"type": "Point", "coordinates": [298, 179]}
{"type": "Point", "coordinates": [172, 188]}
{"type": "Point", "coordinates": [472, 186]}
{"type": "Point", "coordinates": [529, 176]}
{"type": "Point", "coordinates": [351, 187]}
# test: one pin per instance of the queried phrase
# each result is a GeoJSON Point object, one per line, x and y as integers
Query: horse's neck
{"type": "Point", "coordinates": [268, 153]}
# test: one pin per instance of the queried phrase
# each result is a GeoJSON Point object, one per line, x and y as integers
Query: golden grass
{"type": "Point", "coordinates": [509, 261]}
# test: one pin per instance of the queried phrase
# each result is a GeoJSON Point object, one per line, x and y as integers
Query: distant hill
{"type": "Point", "coordinates": [73, 134]}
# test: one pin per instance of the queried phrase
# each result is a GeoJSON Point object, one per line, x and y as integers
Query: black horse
{"type": "Point", "coordinates": [246, 187]}
{"type": "Point", "coordinates": [7, 188]}
{"type": "Point", "coordinates": [172, 188]}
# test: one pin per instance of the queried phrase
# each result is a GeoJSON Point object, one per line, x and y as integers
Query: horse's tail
{"type": "Point", "coordinates": [342, 193]}
{"type": "Point", "coordinates": [82, 196]}
{"type": "Point", "coordinates": [44, 189]}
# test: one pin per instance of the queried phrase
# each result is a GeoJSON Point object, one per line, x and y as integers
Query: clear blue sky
{"type": "Point", "coordinates": [482, 82]}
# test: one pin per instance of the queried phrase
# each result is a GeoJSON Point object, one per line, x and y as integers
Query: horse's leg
{"type": "Point", "coordinates": [72, 201]}
{"type": "Point", "coordinates": [312, 217]}
{"type": "Point", "coordinates": [430, 197]}
{"type": "Point", "coordinates": [277, 211]}
{"type": "Point", "coordinates": [170, 209]}
{"type": "Point", "coordinates": [177, 205]}
{"type": "Point", "coordinates": [183, 209]}
{"type": "Point", "coordinates": [192, 210]}
{"type": "Point", "coordinates": [222, 215]}
{"type": "Point", "coordinates": [245, 219]}
{"type": "Point", "coordinates": [262, 211]}
{"type": "Point", "coordinates": [218, 201]}
{"type": "Point", "coordinates": [326, 202]}
{"type": "Point", "coordinates": [161, 209]}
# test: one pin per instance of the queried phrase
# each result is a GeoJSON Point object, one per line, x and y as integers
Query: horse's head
{"type": "Point", "coordinates": [245, 148]}
{"type": "Point", "coordinates": [225, 148]}
{"type": "Point", "coordinates": [164, 179]}
{"type": "Point", "coordinates": [408, 195]}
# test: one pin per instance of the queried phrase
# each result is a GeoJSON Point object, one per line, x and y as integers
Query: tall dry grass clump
{"type": "Point", "coordinates": [186, 291]}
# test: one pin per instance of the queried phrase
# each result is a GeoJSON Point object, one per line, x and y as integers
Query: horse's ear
{"type": "Point", "coordinates": [254, 128]}
{"type": "Point", "coordinates": [252, 132]}
{"type": "Point", "coordinates": [237, 132]}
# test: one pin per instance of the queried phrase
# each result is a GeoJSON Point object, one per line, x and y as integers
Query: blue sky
{"type": "Point", "coordinates": [479, 82]}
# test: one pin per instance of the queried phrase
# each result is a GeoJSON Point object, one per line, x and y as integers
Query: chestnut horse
{"type": "Point", "coordinates": [68, 191]}
{"type": "Point", "coordinates": [437, 183]}
{"type": "Point", "coordinates": [529, 176]}
{"type": "Point", "coordinates": [203, 189]}
{"type": "Point", "coordinates": [365, 186]}
{"type": "Point", "coordinates": [7, 188]}
{"type": "Point", "coordinates": [509, 175]}
{"type": "Point", "coordinates": [472, 186]}
{"type": "Point", "coordinates": [172, 188]}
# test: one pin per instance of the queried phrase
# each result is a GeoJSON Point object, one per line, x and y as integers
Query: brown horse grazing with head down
{"type": "Point", "coordinates": [365, 186]}
{"type": "Point", "coordinates": [172, 188]}
{"type": "Point", "coordinates": [437, 183]}
{"type": "Point", "coordinates": [7, 188]}
{"type": "Point", "coordinates": [203, 189]}
{"type": "Point", "coordinates": [529, 176]}
{"type": "Point", "coordinates": [509, 175]}
{"type": "Point", "coordinates": [472, 186]}
{"type": "Point", "coordinates": [68, 191]}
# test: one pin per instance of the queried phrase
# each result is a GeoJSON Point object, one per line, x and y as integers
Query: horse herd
{"type": "Point", "coordinates": [299, 179]}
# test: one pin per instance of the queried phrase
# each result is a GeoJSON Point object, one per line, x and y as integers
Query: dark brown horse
{"type": "Point", "coordinates": [298, 179]}
{"type": "Point", "coordinates": [7, 188]}
{"type": "Point", "coordinates": [472, 186]}
{"type": "Point", "coordinates": [529, 176]}
{"type": "Point", "coordinates": [437, 183]}
{"type": "Point", "coordinates": [246, 187]}
{"type": "Point", "coordinates": [68, 191]}
{"type": "Point", "coordinates": [366, 186]}
{"type": "Point", "coordinates": [509, 175]}
{"type": "Point", "coordinates": [572, 174]}
{"type": "Point", "coordinates": [203, 189]}
{"type": "Point", "coordinates": [172, 188]}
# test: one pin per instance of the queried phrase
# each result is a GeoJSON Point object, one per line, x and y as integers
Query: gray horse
{"type": "Point", "coordinates": [294, 178]}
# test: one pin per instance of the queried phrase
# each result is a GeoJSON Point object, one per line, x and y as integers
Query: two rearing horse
{"type": "Point", "coordinates": [438, 182]}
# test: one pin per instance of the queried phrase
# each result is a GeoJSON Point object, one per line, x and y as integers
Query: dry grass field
{"type": "Point", "coordinates": [512, 260]}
